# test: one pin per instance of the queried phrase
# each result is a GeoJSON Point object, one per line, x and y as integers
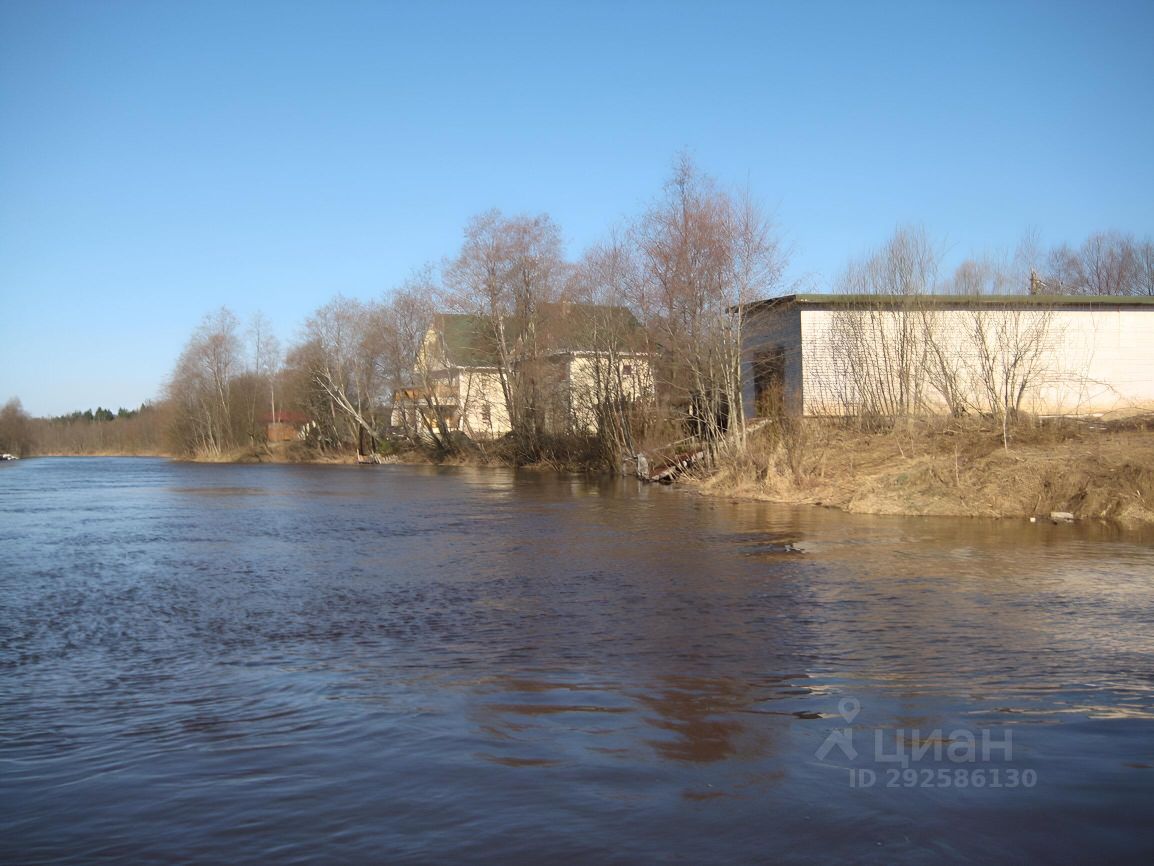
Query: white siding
{"type": "Point", "coordinates": [483, 414]}
{"type": "Point", "coordinates": [1087, 362]}
{"type": "Point", "coordinates": [591, 375]}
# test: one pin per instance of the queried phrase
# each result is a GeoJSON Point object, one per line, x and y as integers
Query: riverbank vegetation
{"type": "Point", "coordinates": [91, 432]}
{"type": "Point", "coordinates": [137, 432]}
{"type": "Point", "coordinates": [950, 467]}
{"type": "Point", "coordinates": [363, 380]}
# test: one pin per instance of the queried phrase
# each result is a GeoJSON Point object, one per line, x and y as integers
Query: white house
{"type": "Point", "coordinates": [586, 354]}
{"type": "Point", "coordinates": [819, 354]}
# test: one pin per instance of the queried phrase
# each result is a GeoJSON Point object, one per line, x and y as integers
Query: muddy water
{"type": "Point", "coordinates": [420, 665]}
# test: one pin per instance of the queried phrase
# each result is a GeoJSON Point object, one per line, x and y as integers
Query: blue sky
{"type": "Point", "coordinates": [159, 159]}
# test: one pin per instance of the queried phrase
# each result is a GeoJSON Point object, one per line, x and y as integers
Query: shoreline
{"type": "Point", "coordinates": [1101, 475]}
{"type": "Point", "coordinates": [960, 471]}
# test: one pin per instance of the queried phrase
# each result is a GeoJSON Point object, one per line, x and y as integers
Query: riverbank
{"type": "Point", "coordinates": [103, 452]}
{"type": "Point", "coordinates": [572, 454]}
{"type": "Point", "coordinates": [1094, 471]}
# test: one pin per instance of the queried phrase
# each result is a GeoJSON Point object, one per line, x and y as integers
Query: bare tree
{"type": "Point", "coordinates": [423, 397]}
{"type": "Point", "coordinates": [1011, 347]}
{"type": "Point", "coordinates": [265, 358]}
{"type": "Point", "coordinates": [757, 264]}
{"type": "Point", "coordinates": [981, 276]}
{"type": "Point", "coordinates": [1110, 264]}
{"type": "Point", "coordinates": [145, 430]}
{"type": "Point", "coordinates": [703, 256]}
{"type": "Point", "coordinates": [878, 344]}
{"type": "Point", "coordinates": [201, 386]}
{"type": "Point", "coordinates": [998, 354]}
{"type": "Point", "coordinates": [949, 357]}
{"type": "Point", "coordinates": [1064, 274]}
{"type": "Point", "coordinates": [1026, 265]}
{"type": "Point", "coordinates": [1145, 268]}
{"type": "Point", "coordinates": [683, 257]}
{"type": "Point", "coordinates": [892, 355]}
{"type": "Point", "coordinates": [16, 435]}
{"type": "Point", "coordinates": [1107, 263]}
{"type": "Point", "coordinates": [507, 272]}
{"type": "Point", "coordinates": [342, 354]}
{"type": "Point", "coordinates": [619, 368]}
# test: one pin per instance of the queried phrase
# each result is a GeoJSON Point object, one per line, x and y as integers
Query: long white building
{"type": "Point", "coordinates": [821, 354]}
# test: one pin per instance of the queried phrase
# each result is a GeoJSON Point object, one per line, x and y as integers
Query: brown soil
{"type": "Point", "coordinates": [1094, 471]}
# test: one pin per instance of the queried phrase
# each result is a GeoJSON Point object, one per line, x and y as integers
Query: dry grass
{"type": "Point", "coordinates": [958, 468]}
{"type": "Point", "coordinates": [294, 452]}
{"type": "Point", "coordinates": [102, 452]}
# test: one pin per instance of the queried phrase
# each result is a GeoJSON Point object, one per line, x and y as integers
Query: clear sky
{"type": "Point", "coordinates": [159, 159]}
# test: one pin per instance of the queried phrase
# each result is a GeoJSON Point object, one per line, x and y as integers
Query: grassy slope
{"type": "Point", "coordinates": [959, 469]}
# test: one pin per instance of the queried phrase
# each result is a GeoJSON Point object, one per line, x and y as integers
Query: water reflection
{"type": "Point", "coordinates": [431, 664]}
{"type": "Point", "coordinates": [702, 715]}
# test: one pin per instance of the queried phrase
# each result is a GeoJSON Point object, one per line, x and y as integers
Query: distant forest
{"type": "Point", "coordinates": [91, 431]}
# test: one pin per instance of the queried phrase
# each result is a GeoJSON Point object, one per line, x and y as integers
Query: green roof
{"type": "Point", "coordinates": [470, 341]}
{"type": "Point", "coordinates": [959, 302]}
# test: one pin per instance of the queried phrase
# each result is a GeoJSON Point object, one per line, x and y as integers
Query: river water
{"type": "Point", "coordinates": [272, 664]}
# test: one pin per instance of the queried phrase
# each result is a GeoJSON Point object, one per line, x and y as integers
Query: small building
{"type": "Point", "coordinates": [827, 354]}
{"type": "Point", "coordinates": [582, 355]}
{"type": "Point", "coordinates": [284, 426]}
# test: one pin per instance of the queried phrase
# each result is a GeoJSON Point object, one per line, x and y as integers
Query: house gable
{"type": "Point", "coordinates": [573, 342]}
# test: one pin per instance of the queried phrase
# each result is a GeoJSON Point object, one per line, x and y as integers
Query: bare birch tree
{"type": "Point", "coordinates": [1145, 260]}
{"type": "Point", "coordinates": [409, 363]}
{"type": "Point", "coordinates": [265, 358]}
{"type": "Point", "coordinates": [950, 354]}
{"type": "Point", "coordinates": [507, 271]}
{"type": "Point", "coordinates": [201, 386]}
{"type": "Point", "coordinates": [1010, 348]}
{"type": "Point", "coordinates": [703, 256]}
{"type": "Point", "coordinates": [620, 365]}
{"type": "Point", "coordinates": [1107, 263]}
{"type": "Point", "coordinates": [345, 345]}
{"type": "Point", "coordinates": [877, 344]}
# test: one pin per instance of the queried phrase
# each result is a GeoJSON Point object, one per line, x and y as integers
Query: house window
{"type": "Point", "coordinates": [627, 370]}
{"type": "Point", "coordinates": [487, 413]}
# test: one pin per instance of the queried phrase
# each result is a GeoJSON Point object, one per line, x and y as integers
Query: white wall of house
{"type": "Point", "coordinates": [483, 413]}
{"type": "Point", "coordinates": [1083, 361]}
{"type": "Point", "coordinates": [590, 376]}
{"type": "Point", "coordinates": [574, 390]}
{"type": "Point", "coordinates": [569, 385]}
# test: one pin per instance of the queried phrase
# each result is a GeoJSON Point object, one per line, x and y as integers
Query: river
{"type": "Point", "coordinates": [306, 664]}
